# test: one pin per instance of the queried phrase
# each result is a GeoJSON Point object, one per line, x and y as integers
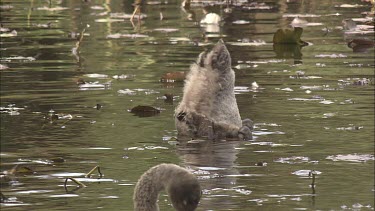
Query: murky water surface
{"type": "Point", "coordinates": [66, 110]}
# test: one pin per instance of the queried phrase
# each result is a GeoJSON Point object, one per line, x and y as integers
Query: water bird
{"type": "Point", "coordinates": [210, 17]}
{"type": "Point", "coordinates": [181, 185]}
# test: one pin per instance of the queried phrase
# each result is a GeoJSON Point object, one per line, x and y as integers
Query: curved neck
{"type": "Point", "coordinates": [147, 189]}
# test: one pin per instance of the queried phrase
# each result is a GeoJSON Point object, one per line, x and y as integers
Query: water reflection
{"type": "Point", "coordinates": [287, 51]}
{"type": "Point", "coordinates": [216, 163]}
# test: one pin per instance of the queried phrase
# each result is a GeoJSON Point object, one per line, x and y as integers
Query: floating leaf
{"type": "Point", "coordinates": [173, 77]}
{"type": "Point", "coordinates": [145, 111]}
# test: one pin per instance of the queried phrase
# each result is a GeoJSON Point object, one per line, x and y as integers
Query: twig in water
{"type": "Point", "coordinates": [78, 43]}
{"type": "Point", "coordinates": [136, 10]}
{"type": "Point", "coordinates": [92, 170]}
{"type": "Point", "coordinates": [74, 180]}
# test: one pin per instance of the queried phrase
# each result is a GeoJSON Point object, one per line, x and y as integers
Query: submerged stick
{"type": "Point", "coordinates": [92, 170]}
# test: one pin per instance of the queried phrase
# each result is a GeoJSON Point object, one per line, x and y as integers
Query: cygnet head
{"type": "Point", "coordinates": [181, 185]}
{"type": "Point", "coordinates": [185, 193]}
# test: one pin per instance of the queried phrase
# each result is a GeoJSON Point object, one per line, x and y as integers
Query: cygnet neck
{"type": "Point", "coordinates": [182, 187]}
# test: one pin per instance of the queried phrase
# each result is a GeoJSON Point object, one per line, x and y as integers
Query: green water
{"type": "Point", "coordinates": [317, 120]}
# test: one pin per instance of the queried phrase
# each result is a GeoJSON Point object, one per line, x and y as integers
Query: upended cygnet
{"type": "Point", "coordinates": [182, 187]}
